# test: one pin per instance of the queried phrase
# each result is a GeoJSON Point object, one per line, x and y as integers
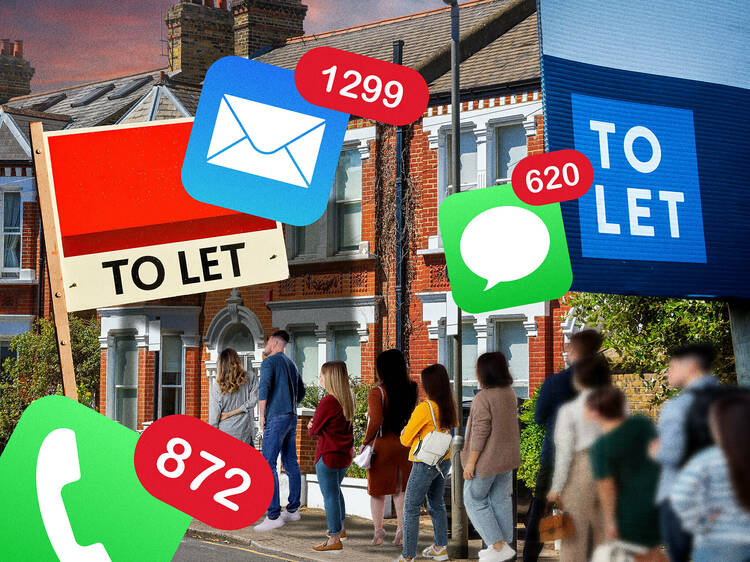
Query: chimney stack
{"type": "Point", "coordinates": [265, 23]}
{"type": "Point", "coordinates": [15, 72]}
{"type": "Point", "coordinates": [198, 34]}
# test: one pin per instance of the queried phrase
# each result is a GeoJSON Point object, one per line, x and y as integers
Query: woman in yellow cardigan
{"type": "Point", "coordinates": [428, 481]}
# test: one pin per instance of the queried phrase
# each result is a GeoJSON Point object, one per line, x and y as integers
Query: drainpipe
{"type": "Point", "coordinates": [398, 50]}
{"type": "Point", "coordinates": [42, 266]}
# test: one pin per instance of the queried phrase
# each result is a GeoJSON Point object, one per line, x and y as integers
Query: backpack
{"type": "Point", "coordinates": [697, 429]}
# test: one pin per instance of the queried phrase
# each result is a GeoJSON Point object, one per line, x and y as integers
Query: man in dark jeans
{"type": "Point", "coordinates": [556, 390]}
{"type": "Point", "coordinates": [279, 392]}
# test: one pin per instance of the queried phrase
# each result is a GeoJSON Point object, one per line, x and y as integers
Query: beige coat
{"type": "Point", "coordinates": [493, 430]}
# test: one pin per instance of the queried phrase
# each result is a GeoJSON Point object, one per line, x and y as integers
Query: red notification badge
{"type": "Point", "coordinates": [363, 86]}
{"type": "Point", "coordinates": [552, 177]}
{"type": "Point", "coordinates": [203, 472]}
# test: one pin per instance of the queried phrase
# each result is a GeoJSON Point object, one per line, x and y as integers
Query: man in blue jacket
{"type": "Point", "coordinates": [279, 392]}
{"type": "Point", "coordinates": [556, 390]}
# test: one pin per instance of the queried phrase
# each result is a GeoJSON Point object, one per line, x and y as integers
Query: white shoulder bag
{"type": "Point", "coordinates": [364, 459]}
{"type": "Point", "coordinates": [435, 444]}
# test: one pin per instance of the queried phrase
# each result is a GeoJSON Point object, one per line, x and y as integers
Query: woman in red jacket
{"type": "Point", "coordinates": [332, 425]}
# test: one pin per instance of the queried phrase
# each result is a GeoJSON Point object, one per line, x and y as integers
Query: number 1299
{"type": "Point", "coordinates": [372, 86]}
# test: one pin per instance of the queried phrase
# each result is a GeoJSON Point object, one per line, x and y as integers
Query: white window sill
{"type": "Point", "coordinates": [308, 260]}
{"type": "Point", "coordinates": [16, 281]}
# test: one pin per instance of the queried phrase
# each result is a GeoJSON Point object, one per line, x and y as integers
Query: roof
{"type": "Point", "coordinates": [512, 57]}
{"type": "Point", "coordinates": [96, 103]}
{"type": "Point", "coordinates": [15, 140]}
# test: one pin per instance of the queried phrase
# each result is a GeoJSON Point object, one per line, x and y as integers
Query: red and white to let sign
{"type": "Point", "coordinates": [128, 231]}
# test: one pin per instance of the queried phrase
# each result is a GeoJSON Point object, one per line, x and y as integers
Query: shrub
{"type": "Point", "coordinates": [532, 437]}
{"type": "Point", "coordinates": [35, 371]}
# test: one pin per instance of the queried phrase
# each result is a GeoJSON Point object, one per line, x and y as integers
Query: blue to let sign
{"type": "Point", "coordinates": [657, 96]}
{"type": "Point", "coordinates": [645, 203]}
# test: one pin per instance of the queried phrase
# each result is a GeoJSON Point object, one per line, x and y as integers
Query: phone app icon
{"type": "Point", "coordinates": [502, 252]}
{"type": "Point", "coordinates": [70, 491]}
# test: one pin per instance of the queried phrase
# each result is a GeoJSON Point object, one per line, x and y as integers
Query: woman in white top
{"type": "Point", "coordinates": [573, 485]}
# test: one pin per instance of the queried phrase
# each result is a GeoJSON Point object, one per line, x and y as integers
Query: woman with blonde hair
{"type": "Point", "coordinates": [233, 395]}
{"type": "Point", "coordinates": [332, 425]}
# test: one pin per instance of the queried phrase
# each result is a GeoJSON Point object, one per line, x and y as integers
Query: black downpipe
{"type": "Point", "coordinates": [42, 267]}
{"type": "Point", "coordinates": [398, 51]}
{"type": "Point", "coordinates": [157, 384]}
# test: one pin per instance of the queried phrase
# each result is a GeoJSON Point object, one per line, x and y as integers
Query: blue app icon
{"type": "Point", "coordinates": [645, 203]}
{"type": "Point", "coordinates": [258, 147]}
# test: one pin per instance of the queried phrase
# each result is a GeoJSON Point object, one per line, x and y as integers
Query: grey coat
{"type": "Point", "coordinates": [241, 426]}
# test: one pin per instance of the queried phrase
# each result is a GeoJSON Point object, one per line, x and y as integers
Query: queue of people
{"type": "Point", "coordinates": [627, 486]}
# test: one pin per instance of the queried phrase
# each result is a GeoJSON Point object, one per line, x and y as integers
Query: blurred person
{"type": "Point", "coordinates": [626, 477]}
{"type": "Point", "coordinates": [555, 391]}
{"type": "Point", "coordinates": [689, 371]}
{"type": "Point", "coordinates": [280, 391]}
{"type": "Point", "coordinates": [428, 482]}
{"type": "Point", "coordinates": [491, 453]}
{"type": "Point", "coordinates": [711, 494]}
{"type": "Point", "coordinates": [332, 425]}
{"type": "Point", "coordinates": [572, 480]}
{"type": "Point", "coordinates": [233, 396]}
{"type": "Point", "coordinates": [389, 406]}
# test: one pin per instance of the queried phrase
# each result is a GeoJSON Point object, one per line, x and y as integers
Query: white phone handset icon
{"type": "Point", "coordinates": [56, 466]}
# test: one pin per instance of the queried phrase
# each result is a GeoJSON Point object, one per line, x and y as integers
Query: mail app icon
{"type": "Point", "coordinates": [259, 147]}
{"type": "Point", "coordinates": [267, 141]}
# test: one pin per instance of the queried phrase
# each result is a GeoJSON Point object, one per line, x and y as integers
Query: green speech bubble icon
{"type": "Point", "coordinates": [502, 252]}
{"type": "Point", "coordinates": [70, 491]}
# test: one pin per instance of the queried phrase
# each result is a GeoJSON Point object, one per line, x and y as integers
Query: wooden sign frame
{"type": "Point", "coordinates": [54, 263]}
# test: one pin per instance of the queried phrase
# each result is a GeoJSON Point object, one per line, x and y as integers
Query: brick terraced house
{"type": "Point", "coordinates": [158, 357]}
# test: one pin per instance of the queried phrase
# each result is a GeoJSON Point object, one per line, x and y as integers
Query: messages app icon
{"type": "Point", "coordinates": [70, 491]}
{"type": "Point", "coordinates": [258, 147]}
{"type": "Point", "coordinates": [502, 252]}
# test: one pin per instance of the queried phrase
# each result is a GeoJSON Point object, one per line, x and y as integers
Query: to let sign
{"type": "Point", "coordinates": [129, 232]}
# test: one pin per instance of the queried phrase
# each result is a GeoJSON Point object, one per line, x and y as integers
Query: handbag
{"type": "Point", "coordinates": [435, 445]}
{"type": "Point", "coordinates": [556, 525]}
{"type": "Point", "coordinates": [620, 551]}
{"type": "Point", "coordinates": [364, 459]}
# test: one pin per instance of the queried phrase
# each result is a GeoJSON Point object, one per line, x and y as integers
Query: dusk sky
{"type": "Point", "coordinates": [70, 41]}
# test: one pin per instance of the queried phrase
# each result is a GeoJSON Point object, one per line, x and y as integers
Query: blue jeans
{"type": "Point", "coordinates": [280, 436]}
{"type": "Point", "coordinates": [678, 541]}
{"type": "Point", "coordinates": [425, 482]}
{"type": "Point", "coordinates": [490, 507]}
{"type": "Point", "coordinates": [710, 551]}
{"type": "Point", "coordinates": [329, 480]}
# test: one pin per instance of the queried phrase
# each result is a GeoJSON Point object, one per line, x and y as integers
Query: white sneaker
{"type": "Point", "coordinates": [432, 552]}
{"type": "Point", "coordinates": [269, 524]}
{"type": "Point", "coordinates": [492, 555]}
{"type": "Point", "coordinates": [290, 516]}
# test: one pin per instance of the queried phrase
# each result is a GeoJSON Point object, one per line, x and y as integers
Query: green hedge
{"type": "Point", "coordinates": [532, 437]}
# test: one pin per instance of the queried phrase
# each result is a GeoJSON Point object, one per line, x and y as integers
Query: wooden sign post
{"type": "Point", "coordinates": [54, 263]}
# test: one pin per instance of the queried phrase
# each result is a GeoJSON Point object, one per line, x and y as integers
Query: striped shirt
{"type": "Point", "coordinates": [703, 497]}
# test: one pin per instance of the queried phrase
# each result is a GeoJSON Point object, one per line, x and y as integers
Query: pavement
{"type": "Point", "coordinates": [215, 550]}
{"type": "Point", "coordinates": [295, 539]}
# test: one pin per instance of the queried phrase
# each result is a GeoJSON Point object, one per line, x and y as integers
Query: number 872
{"type": "Point", "coordinates": [216, 464]}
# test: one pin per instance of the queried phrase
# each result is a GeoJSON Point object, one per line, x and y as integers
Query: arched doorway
{"type": "Point", "coordinates": [238, 337]}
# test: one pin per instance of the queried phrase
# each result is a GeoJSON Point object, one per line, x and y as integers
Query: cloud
{"type": "Point", "coordinates": [72, 41]}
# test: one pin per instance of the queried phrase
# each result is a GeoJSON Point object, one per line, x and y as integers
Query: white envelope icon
{"type": "Point", "coordinates": [266, 141]}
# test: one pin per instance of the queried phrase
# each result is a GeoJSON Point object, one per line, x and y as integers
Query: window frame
{"type": "Point", "coordinates": [340, 203]}
{"type": "Point", "coordinates": [465, 129]}
{"type": "Point", "coordinates": [496, 134]}
{"type": "Point", "coordinates": [334, 330]}
{"type": "Point", "coordinates": [114, 386]}
{"type": "Point", "coordinates": [293, 334]}
{"type": "Point", "coordinates": [526, 383]}
{"type": "Point", "coordinates": [161, 385]}
{"type": "Point", "coordinates": [11, 272]}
